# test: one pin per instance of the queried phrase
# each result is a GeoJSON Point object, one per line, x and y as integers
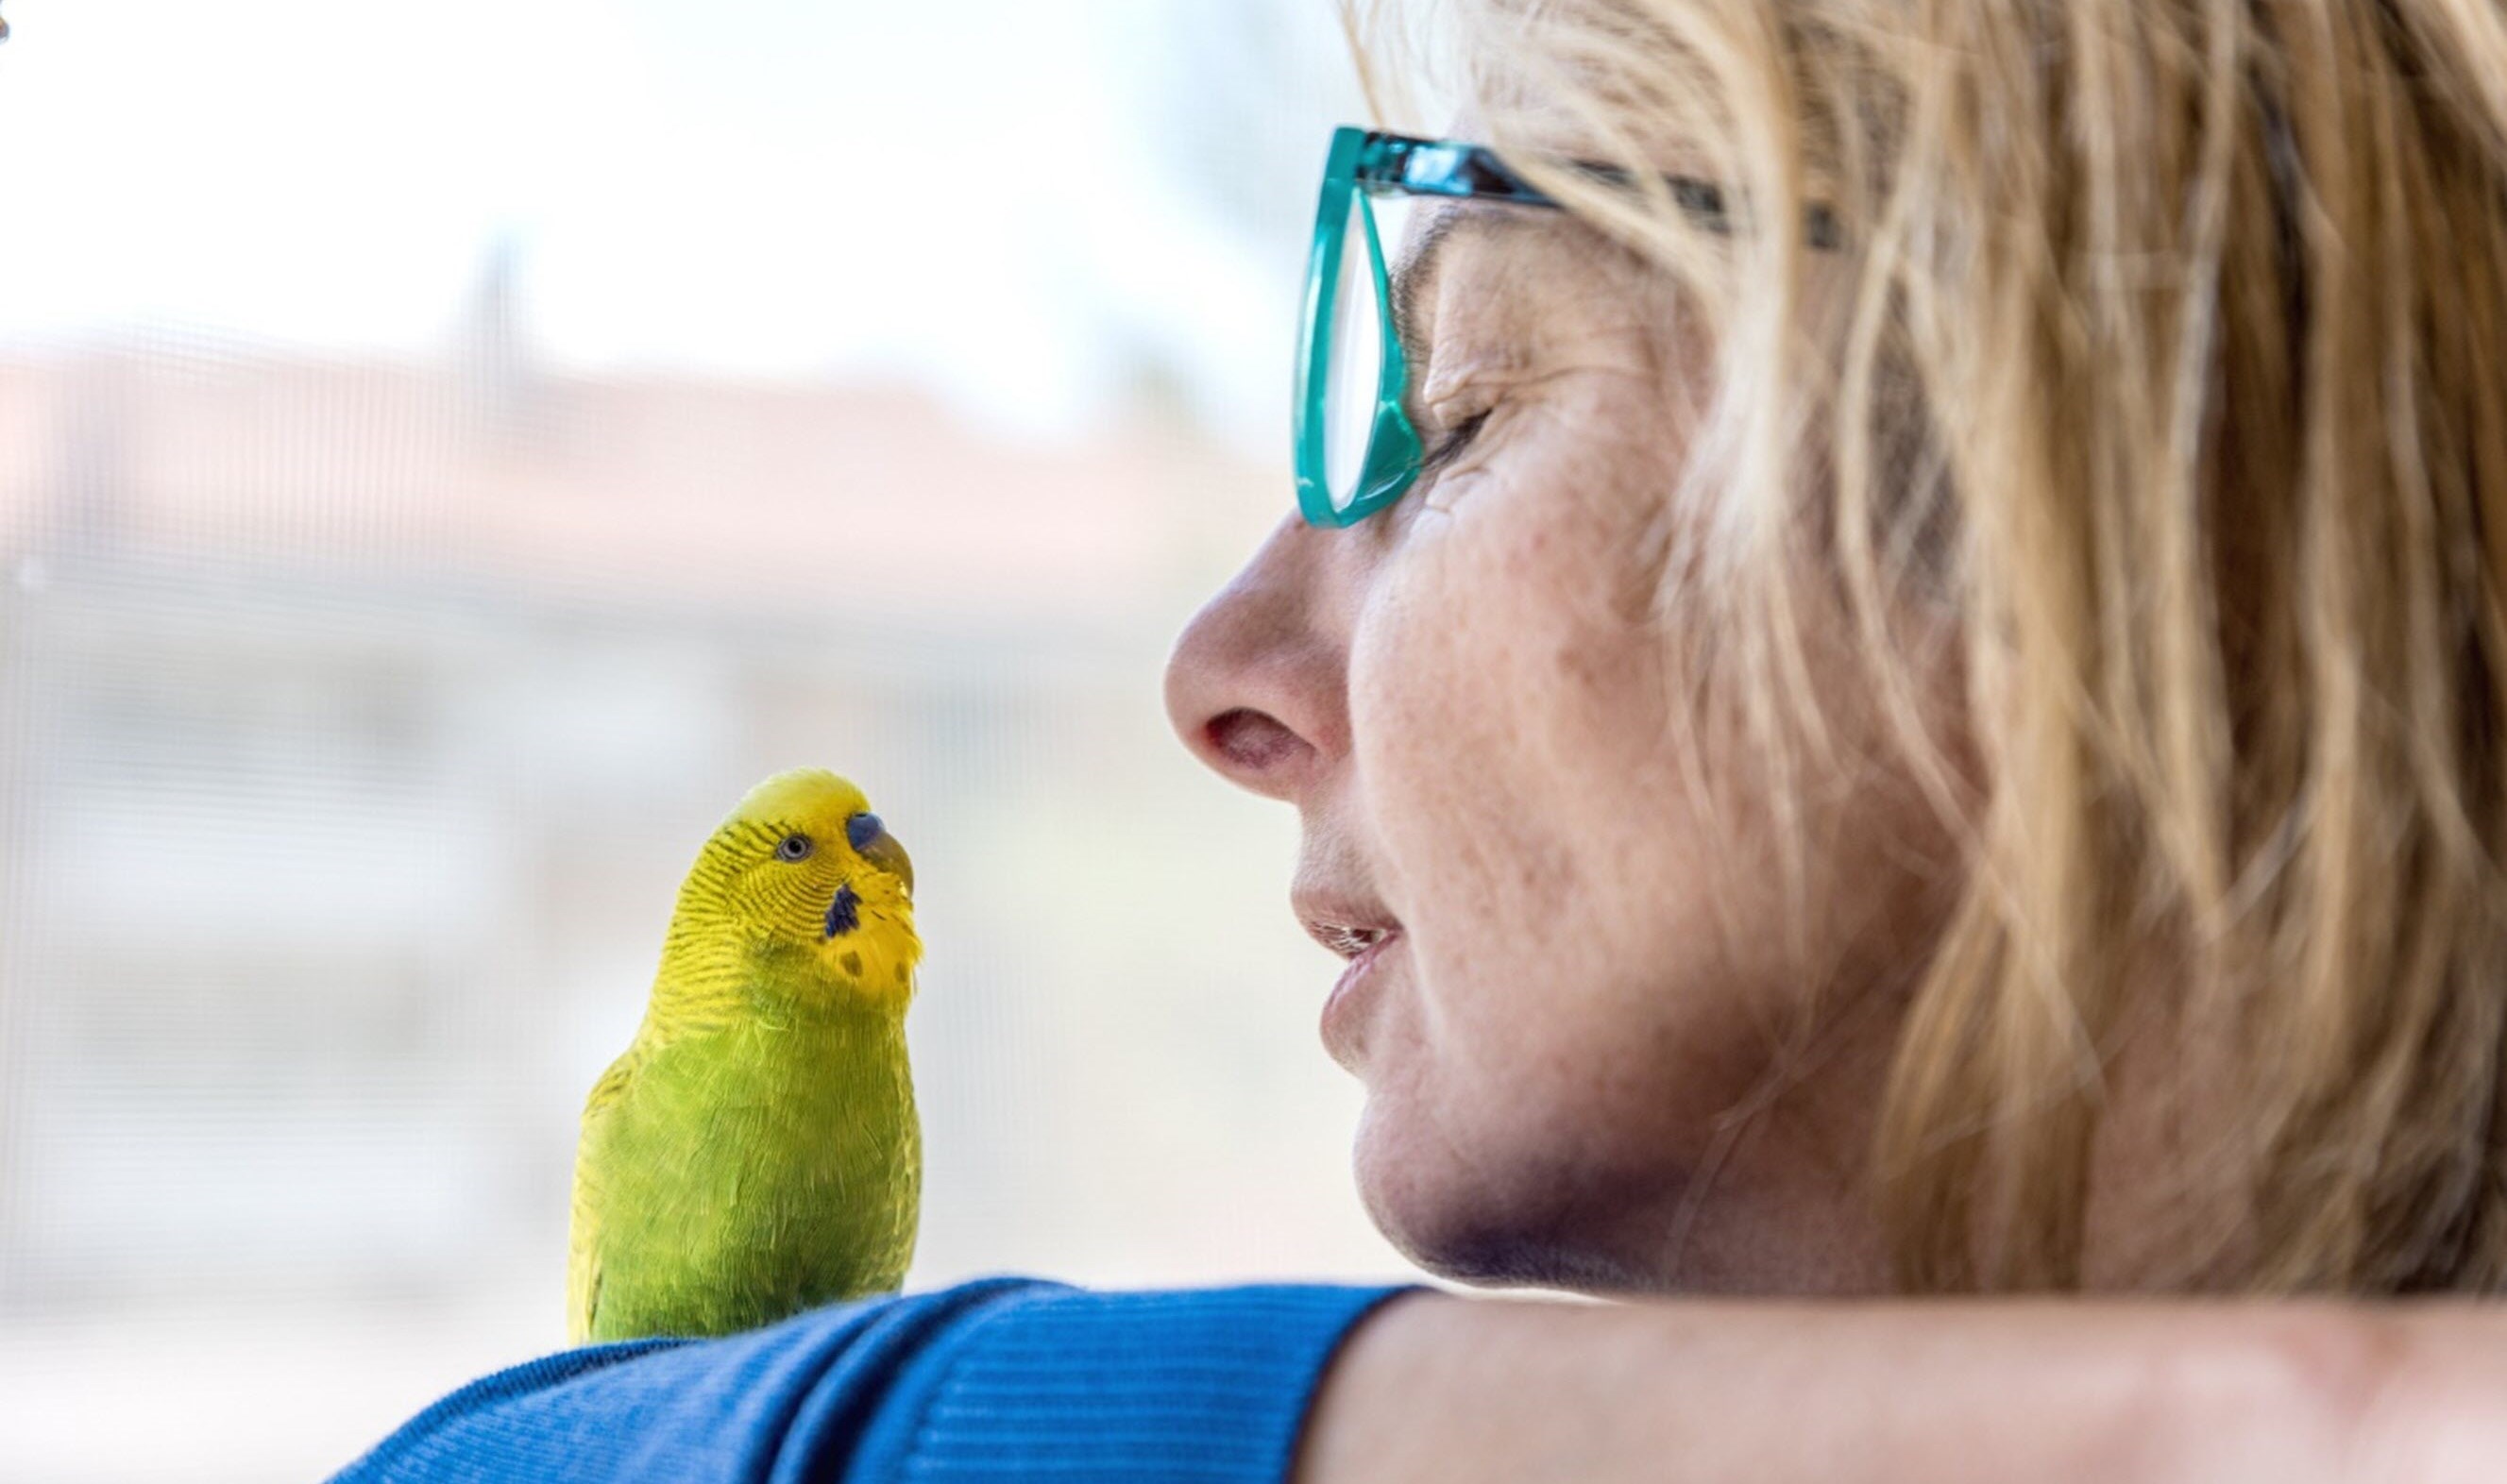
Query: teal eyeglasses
{"type": "Point", "coordinates": [1357, 449]}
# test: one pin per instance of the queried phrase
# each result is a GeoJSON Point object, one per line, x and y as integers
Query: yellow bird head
{"type": "Point", "coordinates": [804, 866]}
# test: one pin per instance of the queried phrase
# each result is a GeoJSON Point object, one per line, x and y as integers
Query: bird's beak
{"type": "Point", "coordinates": [885, 853]}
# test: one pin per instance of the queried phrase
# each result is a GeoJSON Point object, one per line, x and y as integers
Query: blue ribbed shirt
{"type": "Point", "coordinates": [1004, 1377]}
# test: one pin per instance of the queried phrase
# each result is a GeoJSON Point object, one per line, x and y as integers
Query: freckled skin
{"type": "Point", "coordinates": [1467, 704]}
{"type": "Point", "coordinates": [756, 1152]}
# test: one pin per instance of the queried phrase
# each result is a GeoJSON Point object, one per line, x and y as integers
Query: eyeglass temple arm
{"type": "Point", "coordinates": [1440, 168]}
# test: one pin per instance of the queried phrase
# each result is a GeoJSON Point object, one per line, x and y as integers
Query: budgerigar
{"type": "Point", "coordinates": [755, 1152]}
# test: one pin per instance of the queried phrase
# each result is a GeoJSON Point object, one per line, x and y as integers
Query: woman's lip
{"type": "Point", "coordinates": [1337, 1005]}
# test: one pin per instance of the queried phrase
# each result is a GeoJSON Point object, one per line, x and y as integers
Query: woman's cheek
{"type": "Point", "coordinates": [1404, 678]}
{"type": "Point", "coordinates": [1445, 722]}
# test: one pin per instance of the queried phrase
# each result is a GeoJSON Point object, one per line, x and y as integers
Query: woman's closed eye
{"type": "Point", "coordinates": [1448, 440]}
{"type": "Point", "coordinates": [1452, 443]}
{"type": "Point", "coordinates": [1457, 411]}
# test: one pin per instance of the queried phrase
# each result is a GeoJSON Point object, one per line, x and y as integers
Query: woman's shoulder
{"type": "Point", "coordinates": [1000, 1374]}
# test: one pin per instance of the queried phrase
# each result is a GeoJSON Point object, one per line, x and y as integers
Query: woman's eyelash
{"type": "Point", "coordinates": [1451, 446]}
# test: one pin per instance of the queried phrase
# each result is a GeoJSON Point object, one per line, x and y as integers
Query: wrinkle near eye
{"type": "Point", "coordinates": [1470, 368]}
{"type": "Point", "coordinates": [1503, 324]}
{"type": "Point", "coordinates": [1503, 307]}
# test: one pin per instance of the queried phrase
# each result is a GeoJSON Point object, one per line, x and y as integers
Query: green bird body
{"type": "Point", "coordinates": [755, 1152]}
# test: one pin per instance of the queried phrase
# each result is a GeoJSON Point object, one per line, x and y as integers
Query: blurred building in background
{"type": "Point", "coordinates": [363, 697]}
{"type": "Point", "coordinates": [362, 716]}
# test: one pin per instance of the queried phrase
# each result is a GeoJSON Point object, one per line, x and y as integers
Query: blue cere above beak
{"type": "Point", "coordinates": [873, 842]}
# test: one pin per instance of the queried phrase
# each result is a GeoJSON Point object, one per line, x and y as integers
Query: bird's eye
{"type": "Point", "coordinates": [794, 848]}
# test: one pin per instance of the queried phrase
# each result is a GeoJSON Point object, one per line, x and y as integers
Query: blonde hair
{"type": "Point", "coordinates": [2171, 358]}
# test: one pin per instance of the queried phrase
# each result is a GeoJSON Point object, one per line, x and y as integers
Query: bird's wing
{"type": "Point", "coordinates": [583, 1234]}
{"type": "Point", "coordinates": [582, 1296]}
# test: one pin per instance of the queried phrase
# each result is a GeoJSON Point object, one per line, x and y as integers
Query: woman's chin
{"type": "Point", "coordinates": [1484, 1222]}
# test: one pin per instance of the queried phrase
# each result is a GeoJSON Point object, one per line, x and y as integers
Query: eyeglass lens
{"type": "Point", "coordinates": [1357, 359]}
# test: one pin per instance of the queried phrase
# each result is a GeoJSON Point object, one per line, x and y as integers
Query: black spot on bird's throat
{"type": "Point", "coordinates": [843, 913]}
{"type": "Point", "coordinates": [851, 963]}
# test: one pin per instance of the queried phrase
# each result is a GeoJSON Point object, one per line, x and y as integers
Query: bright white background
{"type": "Point", "coordinates": [447, 454]}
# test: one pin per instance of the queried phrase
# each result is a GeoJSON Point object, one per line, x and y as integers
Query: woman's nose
{"type": "Point", "coordinates": [1258, 684]}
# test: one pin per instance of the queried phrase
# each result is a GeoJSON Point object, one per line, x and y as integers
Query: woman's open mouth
{"type": "Point", "coordinates": [1348, 942]}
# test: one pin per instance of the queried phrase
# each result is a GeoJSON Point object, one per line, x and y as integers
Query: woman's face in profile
{"type": "Point", "coordinates": [1572, 1011]}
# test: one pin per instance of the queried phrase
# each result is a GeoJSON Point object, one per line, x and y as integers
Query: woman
{"type": "Point", "coordinates": [1895, 669]}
